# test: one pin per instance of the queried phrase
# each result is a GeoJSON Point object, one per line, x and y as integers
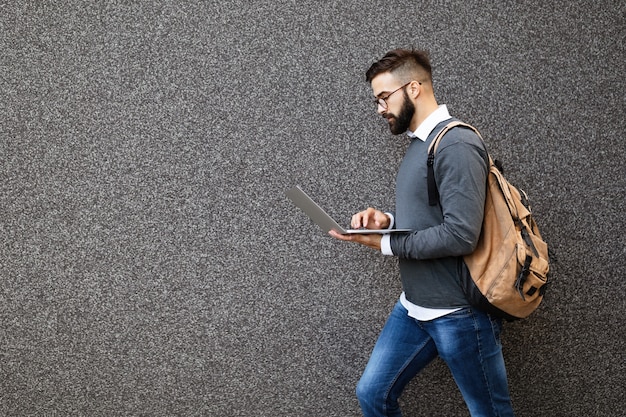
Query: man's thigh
{"type": "Point", "coordinates": [402, 350]}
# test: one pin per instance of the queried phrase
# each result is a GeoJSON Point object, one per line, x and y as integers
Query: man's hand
{"type": "Point", "coordinates": [369, 219]}
{"type": "Point", "coordinates": [371, 241]}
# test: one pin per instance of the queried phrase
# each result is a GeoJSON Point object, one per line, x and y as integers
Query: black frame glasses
{"type": "Point", "coordinates": [382, 101]}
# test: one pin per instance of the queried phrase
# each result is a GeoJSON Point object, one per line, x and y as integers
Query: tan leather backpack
{"type": "Point", "coordinates": [507, 273]}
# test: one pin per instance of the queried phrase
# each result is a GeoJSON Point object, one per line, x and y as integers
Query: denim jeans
{"type": "Point", "coordinates": [467, 340]}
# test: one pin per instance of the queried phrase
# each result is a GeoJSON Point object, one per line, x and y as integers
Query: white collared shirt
{"type": "Point", "coordinates": [426, 127]}
{"type": "Point", "coordinates": [423, 130]}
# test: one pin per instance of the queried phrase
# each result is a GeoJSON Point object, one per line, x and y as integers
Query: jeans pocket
{"type": "Point", "coordinates": [460, 314]}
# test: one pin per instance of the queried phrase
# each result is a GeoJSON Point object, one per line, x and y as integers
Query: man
{"type": "Point", "coordinates": [432, 317]}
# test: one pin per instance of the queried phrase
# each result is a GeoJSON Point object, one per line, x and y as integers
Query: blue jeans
{"type": "Point", "coordinates": [467, 340]}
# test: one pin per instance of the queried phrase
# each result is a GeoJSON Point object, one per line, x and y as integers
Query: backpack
{"type": "Point", "coordinates": [506, 275]}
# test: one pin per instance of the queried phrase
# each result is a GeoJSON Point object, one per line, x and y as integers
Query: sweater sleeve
{"type": "Point", "coordinates": [461, 177]}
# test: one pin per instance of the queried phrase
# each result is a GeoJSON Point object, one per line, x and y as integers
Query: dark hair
{"type": "Point", "coordinates": [406, 64]}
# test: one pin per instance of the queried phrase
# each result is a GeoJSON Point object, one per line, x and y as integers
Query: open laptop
{"type": "Point", "coordinates": [322, 219]}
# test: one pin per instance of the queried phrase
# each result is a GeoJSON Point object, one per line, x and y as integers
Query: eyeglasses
{"type": "Point", "coordinates": [382, 101]}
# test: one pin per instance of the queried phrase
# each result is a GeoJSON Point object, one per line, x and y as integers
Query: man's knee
{"type": "Point", "coordinates": [369, 393]}
{"type": "Point", "coordinates": [374, 398]}
{"type": "Point", "coordinates": [363, 391]}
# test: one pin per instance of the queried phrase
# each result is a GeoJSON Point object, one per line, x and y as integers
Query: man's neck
{"type": "Point", "coordinates": [422, 111]}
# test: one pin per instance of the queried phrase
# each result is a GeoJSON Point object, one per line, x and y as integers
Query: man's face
{"type": "Point", "coordinates": [395, 105]}
{"type": "Point", "coordinates": [400, 123]}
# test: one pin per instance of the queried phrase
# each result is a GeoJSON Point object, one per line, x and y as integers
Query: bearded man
{"type": "Point", "coordinates": [432, 316]}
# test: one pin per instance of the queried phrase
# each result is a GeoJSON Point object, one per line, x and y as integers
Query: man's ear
{"type": "Point", "coordinates": [414, 89]}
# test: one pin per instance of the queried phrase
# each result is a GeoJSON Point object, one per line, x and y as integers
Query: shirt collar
{"type": "Point", "coordinates": [427, 126]}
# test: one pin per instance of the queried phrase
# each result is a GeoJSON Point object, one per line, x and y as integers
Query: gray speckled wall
{"type": "Point", "coordinates": [150, 264]}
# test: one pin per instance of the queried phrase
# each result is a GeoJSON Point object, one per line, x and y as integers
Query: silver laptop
{"type": "Point", "coordinates": [322, 219]}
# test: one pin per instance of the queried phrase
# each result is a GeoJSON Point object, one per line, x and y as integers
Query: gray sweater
{"type": "Point", "coordinates": [430, 257]}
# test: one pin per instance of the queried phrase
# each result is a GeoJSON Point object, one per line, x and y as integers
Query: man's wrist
{"type": "Point", "coordinates": [385, 245]}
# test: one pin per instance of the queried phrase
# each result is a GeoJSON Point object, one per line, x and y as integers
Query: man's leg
{"type": "Point", "coordinates": [403, 349]}
{"type": "Point", "coordinates": [469, 342]}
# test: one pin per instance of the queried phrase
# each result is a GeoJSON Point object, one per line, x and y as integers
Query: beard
{"type": "Point", "coordinates": [400, 123]}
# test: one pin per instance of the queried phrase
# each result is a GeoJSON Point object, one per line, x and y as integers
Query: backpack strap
{"type": "Point", "coordinates": [433, 192]}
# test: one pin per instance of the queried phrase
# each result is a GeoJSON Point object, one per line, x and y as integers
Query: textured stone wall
{"type": "Point", "coordinates": [151, 265]}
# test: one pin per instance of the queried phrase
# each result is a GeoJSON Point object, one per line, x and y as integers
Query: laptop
{"type": "Point", "coordinates": [323, 220]}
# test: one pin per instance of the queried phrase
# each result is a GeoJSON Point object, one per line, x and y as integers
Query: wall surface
{"type": "Point", "coordinates": [150, 264]}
